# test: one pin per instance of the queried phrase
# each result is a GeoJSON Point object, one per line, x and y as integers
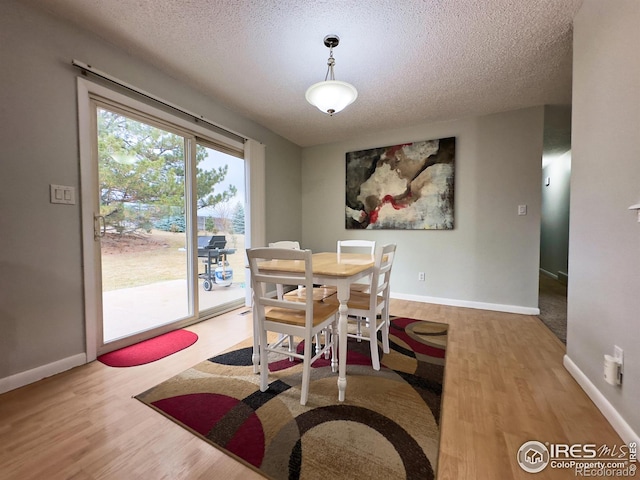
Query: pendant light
{"type": "Point", "coordinates": [331, 96]}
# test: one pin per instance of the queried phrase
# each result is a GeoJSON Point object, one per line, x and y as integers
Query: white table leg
{"type": "Point", "coordinates": [343, 297]}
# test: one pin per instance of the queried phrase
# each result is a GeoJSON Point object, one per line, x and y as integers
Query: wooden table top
{"type": "Point", "coordinates": [324, 263]}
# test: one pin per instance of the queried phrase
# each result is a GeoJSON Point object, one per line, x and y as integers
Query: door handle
{"type": "Point", "coordinates": [99, 226]}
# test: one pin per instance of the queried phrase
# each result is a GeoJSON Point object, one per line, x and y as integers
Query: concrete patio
{"type": "Point", "coordinates": [132, 310]}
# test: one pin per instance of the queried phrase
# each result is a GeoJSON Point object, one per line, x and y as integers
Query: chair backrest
{"type": "Point", "coordinates": [286, 244]}
{"type": "Point", "coordinates": [367, 247]}
{"type": "Point", "coordinates": [356, 246]}
{"type": "Point", "coordinates": [380, 278]}
{"type": "Point", "coordinates": [262, 280]}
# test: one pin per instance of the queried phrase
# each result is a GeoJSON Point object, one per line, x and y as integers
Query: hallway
{"type": "Point", "coordinates": [553, 306]}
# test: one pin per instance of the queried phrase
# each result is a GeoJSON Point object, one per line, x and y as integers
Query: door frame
{"type": "Point", "coordinates": [87, 130]}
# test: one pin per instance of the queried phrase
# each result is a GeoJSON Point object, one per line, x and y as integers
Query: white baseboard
{"type": "Point", "coordinates": [495, 307]}
{"type": "Point", "coordinates": [548, 274]}
{"type": "Point", "coordinates": [563, 277]}
{"type": "Point", "coordinates": [25, 378]}
{"type": "Point", "coordinates": [610, 413]}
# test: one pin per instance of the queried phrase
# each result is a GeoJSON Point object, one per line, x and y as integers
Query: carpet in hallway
{"type": "Point", "coordinates": [553, 306]}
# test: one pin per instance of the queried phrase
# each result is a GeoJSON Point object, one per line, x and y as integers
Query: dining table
{"type": "Point", "coordinates": [333, 269]}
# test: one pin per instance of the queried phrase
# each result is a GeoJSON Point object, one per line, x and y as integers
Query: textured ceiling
{"type": "Point", "coordinates": [412, 61]}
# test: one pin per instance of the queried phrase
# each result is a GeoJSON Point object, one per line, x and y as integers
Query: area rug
{"type": "Point", "coordinates": [150, 350]}
{"type": "Point", "coordinates": [388, 426]}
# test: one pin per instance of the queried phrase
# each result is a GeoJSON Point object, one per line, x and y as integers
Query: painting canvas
{"type": "Point", "coordinates": [406, 187]}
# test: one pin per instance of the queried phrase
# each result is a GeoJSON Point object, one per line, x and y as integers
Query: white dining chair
{"type": "Point", "coordinates": [290, 319]}
{"type": "Point", "coordinates": [300, 293]}
{"type": "Point", "coordinates": [284, 244]}
{"type": "Point", "coordinates": [323, 292]}
{"type": "Point", "coordinates": [357, 246]}
{"type": "Point", "coordinates": [365, 307]}
{"type": "Point", "coordinates": [295, 245]}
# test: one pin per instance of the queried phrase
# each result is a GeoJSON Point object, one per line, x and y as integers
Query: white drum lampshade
{"type": "Point", "coordinates": [331, 96]}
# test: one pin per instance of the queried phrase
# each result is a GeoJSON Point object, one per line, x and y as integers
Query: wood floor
{"type": "Point", "coordinates": [504, 385]}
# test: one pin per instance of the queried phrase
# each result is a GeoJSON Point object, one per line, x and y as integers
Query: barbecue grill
{"type": "Point", "coordinates": [214, 253]}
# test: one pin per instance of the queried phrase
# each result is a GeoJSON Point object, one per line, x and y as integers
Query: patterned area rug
{"type": "Point", "coordinates": [388, 426]}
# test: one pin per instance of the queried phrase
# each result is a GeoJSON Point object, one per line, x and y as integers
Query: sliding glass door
{"type": "Point", "coordinates": [143, 225]}
{"type": "Point", "coordinates": [220, 191]}
{"type": "Point", "coordinates": [163, 212]}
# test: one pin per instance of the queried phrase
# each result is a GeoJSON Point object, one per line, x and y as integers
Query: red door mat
{"type": "Point", "coordinates": [150, 350]}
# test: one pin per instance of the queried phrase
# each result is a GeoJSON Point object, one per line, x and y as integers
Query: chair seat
{"type": "Point", "coordinates": [319, 294]}
{"type": "Point", "coordinates": [357, 300]}
{"type": "Point", "coordinates": [321, 311]}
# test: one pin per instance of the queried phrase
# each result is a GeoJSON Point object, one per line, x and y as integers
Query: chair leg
{"type": "Point", "coordinates": [327, 342]}
{"type": "Point", "coordinates": [255, 355]}
{"type": "Point", "coordinates": [291, 347]}
{"type": "Point", "coordinates": [373, 343]}
{"type": "Point", "coordinates": [306, 370]}
{"type": "Point", "coordinates": [264, 363]}
{"type": "Point", "coordinates": [385, 331]}
{"type": "Point", "coordinates": [280, 294]}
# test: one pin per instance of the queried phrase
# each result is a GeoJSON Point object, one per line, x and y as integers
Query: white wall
{"type": "Point", "coordinates": [41, 299]}
{"type": "Point", "coordinates": [604, 251]}
{"type": "Point", "coordinates": [491, 258]}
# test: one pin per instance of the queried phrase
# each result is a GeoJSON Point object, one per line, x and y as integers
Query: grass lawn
{"type": "Point", "coordinates": [130, 261]}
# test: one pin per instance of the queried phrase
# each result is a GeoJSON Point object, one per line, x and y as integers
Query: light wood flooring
{"type": "Point", "coordinates": [504, 385]}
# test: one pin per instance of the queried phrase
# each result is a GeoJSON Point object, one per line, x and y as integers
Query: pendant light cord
{"type": "Point", "coordinates": [330, 63]}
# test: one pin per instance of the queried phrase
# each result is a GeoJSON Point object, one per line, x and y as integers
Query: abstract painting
{"type": "Point", "coordinates": [402, 187]}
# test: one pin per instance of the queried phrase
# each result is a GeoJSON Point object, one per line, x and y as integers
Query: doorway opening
{"type": "Point", "coordinates": [554, 243]}
{"type": "Point", "coordinates": [554, 225]}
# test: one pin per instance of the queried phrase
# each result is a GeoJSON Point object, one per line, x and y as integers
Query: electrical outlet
{"type": "Point", "coordinates": [618, 354]}
{"type": "Point", "coordinates": [421, 276]}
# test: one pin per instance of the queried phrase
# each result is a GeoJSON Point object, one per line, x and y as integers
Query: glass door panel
{"type": "Point", "coordinates": [220, 182]}
{"type": "Point", "coordinates": [143, 248]}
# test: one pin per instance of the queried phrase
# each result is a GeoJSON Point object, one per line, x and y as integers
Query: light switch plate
{"type": "Point", "coordinates": [62, 194]}
{"type": "Point", "coordinates": [522, 209]}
